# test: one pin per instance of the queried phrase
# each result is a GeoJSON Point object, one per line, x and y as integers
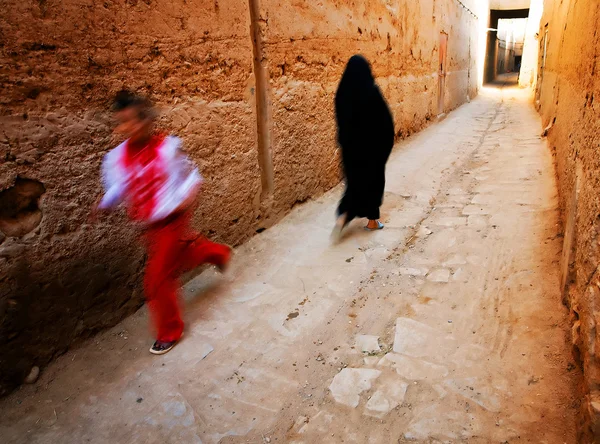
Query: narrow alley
{"type": "Point", "coordinates": [447, 326]}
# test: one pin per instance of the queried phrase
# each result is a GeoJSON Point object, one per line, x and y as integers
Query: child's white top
{"type": "Point", "coordinates": [152, 190]}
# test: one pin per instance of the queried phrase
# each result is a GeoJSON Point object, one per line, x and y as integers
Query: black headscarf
{"type": "Point", "coordinates": [356, 87]}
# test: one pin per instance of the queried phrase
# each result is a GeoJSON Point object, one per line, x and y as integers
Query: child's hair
{"type": "Point", "coordinates": [126, 99]}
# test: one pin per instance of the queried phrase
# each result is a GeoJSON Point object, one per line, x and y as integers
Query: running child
{"type": "Point", "coordinates": [158, 184]}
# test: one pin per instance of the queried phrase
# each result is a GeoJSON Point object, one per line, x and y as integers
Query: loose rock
{"type": "Point", "coordinates": [33, 375]}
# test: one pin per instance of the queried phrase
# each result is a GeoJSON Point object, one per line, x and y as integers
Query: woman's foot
{"type": "Point", "coordinates": [340, 223]}
{"type": "Point", "coordinates": [374, 225]}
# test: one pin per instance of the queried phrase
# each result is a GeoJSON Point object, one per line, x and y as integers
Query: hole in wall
{"type": "Point", "coordinates": [19, 207]}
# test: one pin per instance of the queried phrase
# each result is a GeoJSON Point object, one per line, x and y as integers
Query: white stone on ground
{"type": "Point", "coordinates": [439, 275]}
{"type": "Point", "coordinates": [389, 396]}
{"type": "Point", "coordinates": [449, 221]}
{"type": "Point", "coordinates": [349, 383]}
{"type": "Point", "coordinates": [460, 275]}
{"type": "Point", "coordinates": [477, 222]}
{"type": "Point", "coordinates": [413, 338]}
{"type": "Point", "coordinates": [424, 231]}
{"type": "Point", "coordinates": [414, 369]}
{"type": "Point", "coordinates": [478, 392]}
{"type": "Point", "coordinates": [458, 425]}
{"type": "Point", "coordinates": [408, 271]}
{"type": "Point", "coordinates": [455, 259]}
{"type": "Point", "coordinates": [367, 343]}
{"type": "Point", "coordinates": [371, 361]}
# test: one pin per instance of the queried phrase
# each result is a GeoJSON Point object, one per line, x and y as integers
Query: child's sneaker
{"type": "Point", "coordinates": [160, 347]}
{"type": "Point", "coordinates": [223, 267]}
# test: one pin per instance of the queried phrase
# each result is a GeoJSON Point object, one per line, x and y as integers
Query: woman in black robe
{"type": "Point", "coordinates": [366, 135]}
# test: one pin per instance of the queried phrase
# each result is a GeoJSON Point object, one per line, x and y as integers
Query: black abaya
{"type": "Point", "coordinates": [366, 136]}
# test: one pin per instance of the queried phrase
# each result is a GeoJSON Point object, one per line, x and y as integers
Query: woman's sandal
{"type": "Point", "coordinates": [340, 224]}
{"type": "Point", "coordinates": [379, 227]}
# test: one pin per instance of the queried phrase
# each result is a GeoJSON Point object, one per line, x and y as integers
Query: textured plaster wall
{"type": "Point", "coordinates": [568, 86]}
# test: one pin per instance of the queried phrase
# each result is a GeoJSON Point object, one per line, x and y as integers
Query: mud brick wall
{"type": "Point", "coordinates": [568, 87]}
{"type": "Point", "coordinates": [247, 84]}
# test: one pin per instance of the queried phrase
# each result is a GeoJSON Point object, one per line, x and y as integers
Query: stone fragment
{"type": "Point", "coordinates": [477, 221]}
{"type": "Point", "coordinates": [455, 259]}
{"type": "Point", "coordinates": [439, 275]}
{"type": "Point", "coordinates": [371, 361]}
{"type": "Point", "coordinates": [478, 392]}
{"type": "Point", "coordinates": [448, 425]}
{"type": "Point", "coordinates": [408, 271]}
{"type": "Point", "coordinates": [33, 375]}
{"type": "Point", "coordinates": [460, 275]}
{"type": "Point", "coordinates": [300, 422]}
{"type": "Point", "coordinates": [418, 340]}
{"type": "Point", "coordinates": [389, 396]}
{"type": "Point", "coordinates": [349, 383]}
{"type": "Point", "coordinates": [414, 369]}
{"type": "Point", "coordinates": [424, 231]}
{"type": "Point", "coordinates": [367, 343]}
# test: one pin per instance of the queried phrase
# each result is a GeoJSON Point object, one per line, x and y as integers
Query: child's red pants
{"type": "Point", "coordinates": [173, 249]}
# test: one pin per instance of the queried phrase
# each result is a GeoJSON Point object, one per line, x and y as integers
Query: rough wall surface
{"type": "Point", "coordinates": [568, 84]}
{"type": "Point", "coordinates": [207, 63]}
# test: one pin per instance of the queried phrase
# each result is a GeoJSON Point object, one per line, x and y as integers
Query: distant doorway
{"type": "Point", "coordinates": [442, 71]}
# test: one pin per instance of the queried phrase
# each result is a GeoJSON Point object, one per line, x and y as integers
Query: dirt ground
{"type": "Point", "coordinates": [446, 326]}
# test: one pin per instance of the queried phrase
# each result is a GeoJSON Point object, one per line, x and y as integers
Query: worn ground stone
{"type": "Point", "coordinates": [473, 389]}
{"type": "Point", "coordinates": [371, 361]}
{"type": "Point", "coordinates": [478, 221]}
{"type": "Point", "coordinates": [460, 275]}
{"type": "Point", "coordinates": [413, 369]}
{"type": "Point", "coordinates": [424, 231]}
{"type": "Point", "coordinates": [413, 338]}
{"type": "Point", "coordinates": [367, 343]}
{"type": "Point", "coordinates": [463, 425]}
{"type": "Point", "coordinates": [439, 275]}
{"type": "Point", "coordinates": [348, 384]}
{"type": "Point", "coordinates": [390, 394]}
{"type": "Point", "coordinates": [409, 271]}
{"type": "Point", "coordinates": [455, 259]}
